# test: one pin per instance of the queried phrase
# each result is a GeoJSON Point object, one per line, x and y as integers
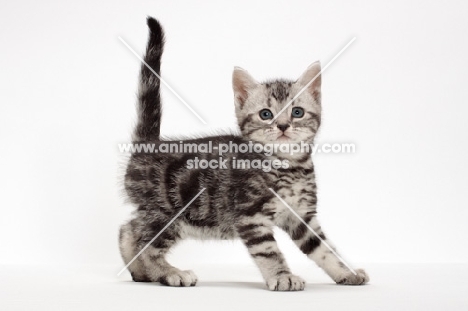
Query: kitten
{"type": "Point", "coordinates": [237, 202]}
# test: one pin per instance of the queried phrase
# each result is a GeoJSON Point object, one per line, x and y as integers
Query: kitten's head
{"type": "Point", "coordinates": [259, 107]}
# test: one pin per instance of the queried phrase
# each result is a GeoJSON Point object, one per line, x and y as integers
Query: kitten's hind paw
{"type": "Point", "coordinates": [360, 278]}
{"type": "Point", "coordinates": [179, 278]}
{"type": "Point", "coordinates": [286, 282]}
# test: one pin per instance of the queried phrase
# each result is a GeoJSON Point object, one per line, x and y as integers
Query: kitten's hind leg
{"type": "Point", "coordinates": [151, 264]}
{"type": "Point", "coordinates": [128, 250]}
{"type": "Point", "coordinates": [159, 270]}
{"type": "Point", "coordinates": [257, 234]}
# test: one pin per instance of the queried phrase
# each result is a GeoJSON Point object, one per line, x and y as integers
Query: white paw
{"type": "Point", "coordinates": [179, 278]}
{"type": "Point", "coordinates": [360, 278]}
{"type": "Point", "coordinates": [286, 282]}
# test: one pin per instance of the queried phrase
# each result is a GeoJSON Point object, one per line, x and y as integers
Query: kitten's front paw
{"type": "Point", "coordinates": [287, 282]}
{"type": "Point", "coordinates": [350, 278]}
{"type": "Point", "coordinates": [179, 278]}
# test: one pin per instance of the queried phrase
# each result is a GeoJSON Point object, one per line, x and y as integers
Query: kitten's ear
{"type": "Point", "coordinates": [312, 73]}
{"type": "Point", "coordinates": [242, 83]}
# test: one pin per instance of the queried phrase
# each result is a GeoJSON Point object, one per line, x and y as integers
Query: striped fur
{"type": "Point", "coordinates": [149, 99]}
{"type": "Point", "coordinates": [236, 203]}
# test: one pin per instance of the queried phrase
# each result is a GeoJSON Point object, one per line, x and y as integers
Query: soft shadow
{"type": "Point", "coordinates": [256, 285]}
{"type": "Point", "coordinates": [205, 284]}
{"type": "Point", "coordinates": [247, 285]}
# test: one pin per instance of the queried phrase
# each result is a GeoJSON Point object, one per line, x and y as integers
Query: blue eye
{"type": "Point", "coordinates": [297, 112]}
{"type": "Point", "coordinates": [266, 114]}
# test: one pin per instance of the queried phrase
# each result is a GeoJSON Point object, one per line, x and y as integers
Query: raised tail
{"type": "Point", "coordinates": [149, 98]}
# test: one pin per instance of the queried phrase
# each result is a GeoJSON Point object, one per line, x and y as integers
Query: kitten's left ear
{"type": "Point", "coordinates": [313, 74]}
{"type": "Point", "coordinates": [242, 83]}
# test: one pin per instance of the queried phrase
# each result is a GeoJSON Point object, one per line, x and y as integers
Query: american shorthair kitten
{"type": "Point", "coordinates": [237, 202]}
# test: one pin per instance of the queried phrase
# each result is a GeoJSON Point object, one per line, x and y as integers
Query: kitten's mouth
{"type": "Point", "coordinates": [282, 137]}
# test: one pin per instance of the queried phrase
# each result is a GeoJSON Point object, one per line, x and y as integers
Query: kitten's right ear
{"type": "Point", "coordinates": [242, 83]}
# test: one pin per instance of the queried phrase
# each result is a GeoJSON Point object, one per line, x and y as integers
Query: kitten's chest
{"type": "Point", "coordinates": [298, 189]}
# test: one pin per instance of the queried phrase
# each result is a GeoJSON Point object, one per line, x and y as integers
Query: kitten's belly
{"type": "Point", "coordinates": [207, 233]}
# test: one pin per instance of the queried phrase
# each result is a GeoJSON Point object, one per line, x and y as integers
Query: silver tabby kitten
{"type": "Point", "coordinates": [237, 203]}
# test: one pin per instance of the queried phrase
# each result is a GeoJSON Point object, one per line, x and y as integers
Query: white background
{"type": "Point", "coordinates": [68, 93]}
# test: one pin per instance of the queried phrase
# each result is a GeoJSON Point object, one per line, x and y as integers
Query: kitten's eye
{"type": "Point", "coordinates": [266, 114]}
{"type": "Point", "coordinates": [297, 112]}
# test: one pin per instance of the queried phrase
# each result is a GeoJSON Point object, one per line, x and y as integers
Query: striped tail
{"type": "Point", "coordinates": [149, 99]}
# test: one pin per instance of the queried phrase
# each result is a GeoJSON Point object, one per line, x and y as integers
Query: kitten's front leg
{"type": "Point", "coordinates": [320, 249]}
{"type": "Point", "coordinates": [257, 234]}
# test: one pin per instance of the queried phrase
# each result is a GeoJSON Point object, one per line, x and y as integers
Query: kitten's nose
{"type": "Point", "coordinates": [283, 127]}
